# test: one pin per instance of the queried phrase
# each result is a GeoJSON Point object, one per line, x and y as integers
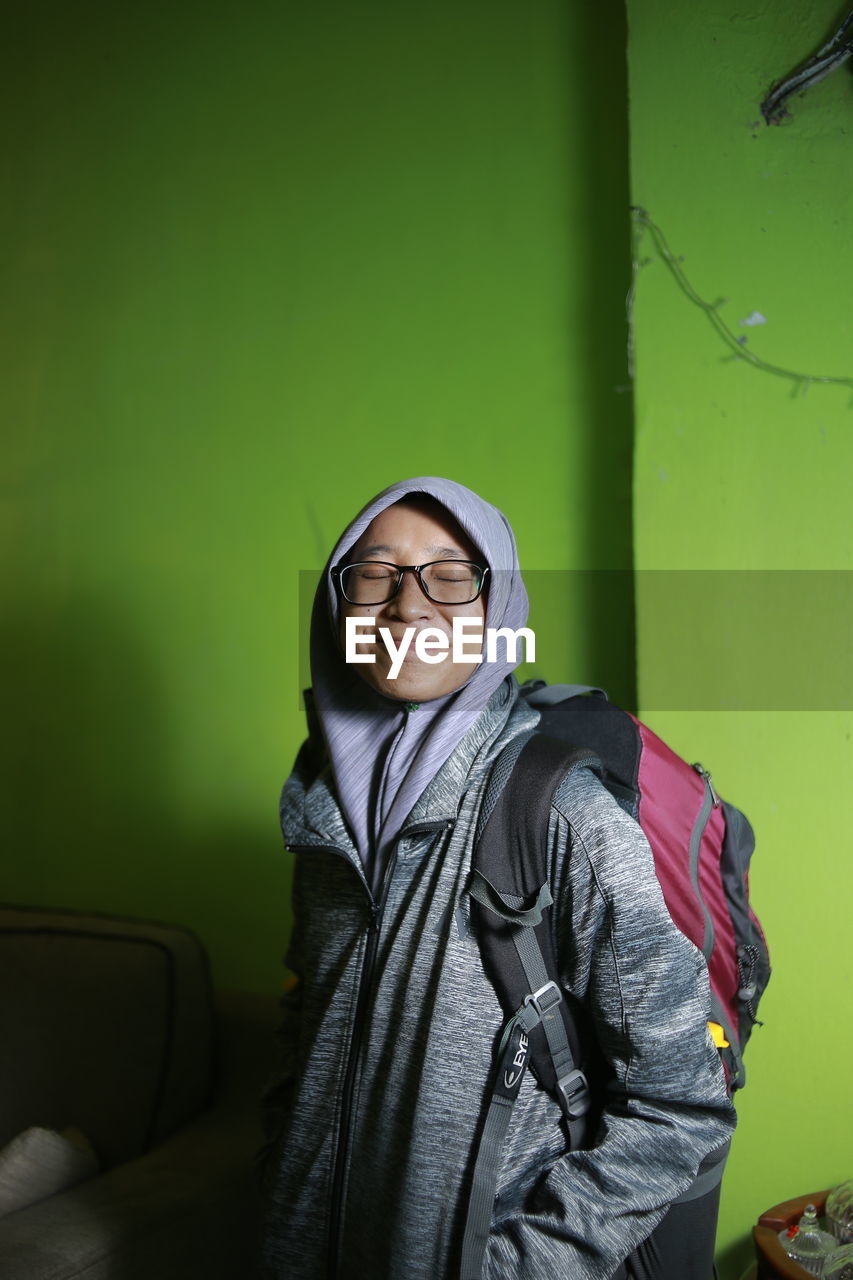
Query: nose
{"type": "Point", "coordinates": [410, 601]}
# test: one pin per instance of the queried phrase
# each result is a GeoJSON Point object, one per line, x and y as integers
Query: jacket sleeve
{"type": "Point", "coordinates": [646, 989]}
{"type": "Point", "coordinates": [277, 1092]}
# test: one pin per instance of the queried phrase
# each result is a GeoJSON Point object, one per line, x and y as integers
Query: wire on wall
{"type": "Point", "coordinates": [835, 52]}
{"type": "Point", "coordinates": [643, 225]}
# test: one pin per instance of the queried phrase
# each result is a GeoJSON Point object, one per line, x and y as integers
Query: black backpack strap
{"type": "Point", "coordinates": [511, 899]}
{"type": "Point", "coordinates": [540, 694]}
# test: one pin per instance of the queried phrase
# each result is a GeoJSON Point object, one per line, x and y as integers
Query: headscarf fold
{"type": "Point", "coordinates": [381, 754]}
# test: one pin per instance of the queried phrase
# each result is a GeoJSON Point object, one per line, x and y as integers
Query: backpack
{"type": "Point", "coordinates": [702, 847]}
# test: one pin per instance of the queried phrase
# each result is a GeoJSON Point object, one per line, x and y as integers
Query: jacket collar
{"type": "Point", "coordinates": [309, 810]}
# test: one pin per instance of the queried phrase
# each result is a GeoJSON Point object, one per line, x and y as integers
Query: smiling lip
{"type": "Point", "coordinates": [410, 654]}
{"type": "Point", "coordinates": [399, 639]}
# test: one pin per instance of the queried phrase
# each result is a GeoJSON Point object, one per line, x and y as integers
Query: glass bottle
{"type": "Point", "coordinates": [807, 1244]}
{"type": "Point", "coordinates": [839, 1212]}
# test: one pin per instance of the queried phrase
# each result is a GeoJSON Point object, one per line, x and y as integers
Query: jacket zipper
{"type": "Point", "coordinates": [364, 985]}
{"type": "Point", "coordinates": [342, 1147]}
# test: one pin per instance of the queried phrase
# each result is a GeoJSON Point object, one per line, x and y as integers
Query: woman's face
{"type": "Point", "coordinates": [413, 531]}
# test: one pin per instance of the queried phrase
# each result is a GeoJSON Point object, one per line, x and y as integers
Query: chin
{"type": "Point", "coordinates": [421, 686]}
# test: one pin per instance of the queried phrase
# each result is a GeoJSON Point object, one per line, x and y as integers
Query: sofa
{"type": "Point", "coordinates": [129, 1119]}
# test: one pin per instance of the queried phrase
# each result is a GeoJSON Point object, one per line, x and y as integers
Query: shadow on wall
{"type": "Point", "coordinates": [600, 97]}
{"type": "Point", "coordinates": [734, 1260]}
{"type": "Point", "coordinates": [87, 757]}
{"type": "Point", "coordinates": [92, 816]}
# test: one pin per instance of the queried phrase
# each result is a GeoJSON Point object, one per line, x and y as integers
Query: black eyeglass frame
{"type": "Point", "coordinates": [338, 569]}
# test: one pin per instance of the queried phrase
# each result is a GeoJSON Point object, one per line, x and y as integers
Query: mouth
{"type": "Point", "coordinates": [409, 657]}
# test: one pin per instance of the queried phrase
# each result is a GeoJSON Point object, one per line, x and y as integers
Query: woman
{"type": "Point", "coordinates": [387, 1041]}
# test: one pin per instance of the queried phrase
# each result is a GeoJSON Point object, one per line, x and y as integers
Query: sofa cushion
{"type": "Point", "coordinates": [40, 1162]}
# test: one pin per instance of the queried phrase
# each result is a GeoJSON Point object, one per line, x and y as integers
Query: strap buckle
{"type": "Point", "coordinates": [538, 998]}
{"type": "Point", "coordinates": [574, 1094]}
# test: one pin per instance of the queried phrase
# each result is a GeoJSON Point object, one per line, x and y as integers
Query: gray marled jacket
{"type": "Point", "coordinates": [387, 1044]}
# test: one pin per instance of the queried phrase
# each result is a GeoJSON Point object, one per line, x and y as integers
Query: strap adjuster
{"type": "Point", "coordinates": [545, 999]}
{"type": "Point", "coordinates": [574, 1094]}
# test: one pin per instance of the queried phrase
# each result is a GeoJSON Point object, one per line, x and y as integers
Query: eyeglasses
{"type": "Point", "coordinates": [441, 581]}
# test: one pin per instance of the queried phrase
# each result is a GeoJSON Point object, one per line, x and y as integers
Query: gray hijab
{"type": "Point", "coordinates": [383, 754]}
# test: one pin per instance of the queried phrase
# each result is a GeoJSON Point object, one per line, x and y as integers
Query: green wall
{"type": "Point", "coordinates": [736, 469]}
{"type": "Point", "coordinates": [259, 263]}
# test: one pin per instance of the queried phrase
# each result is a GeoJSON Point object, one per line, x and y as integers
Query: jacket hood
{"type": "Point", "coordinates": [381, 752]}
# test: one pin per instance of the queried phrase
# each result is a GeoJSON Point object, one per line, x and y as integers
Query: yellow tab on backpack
{"type": "Point", "coordinates": [718, 1035]}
